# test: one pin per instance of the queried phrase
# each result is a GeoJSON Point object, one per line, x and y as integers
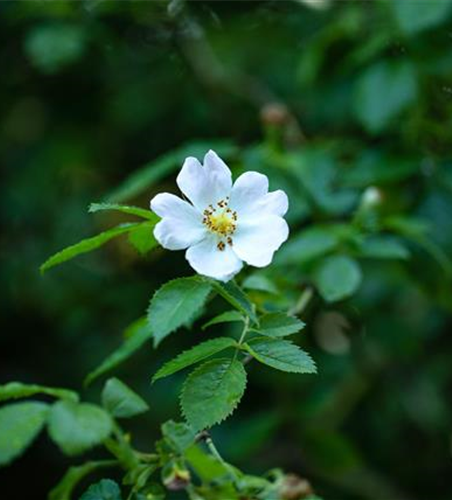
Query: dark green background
{"type": "Point", "coordinates": [90, 91]}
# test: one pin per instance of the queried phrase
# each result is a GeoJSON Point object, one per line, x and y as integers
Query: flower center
{"type": "Point", "coordinates": [222, 221]}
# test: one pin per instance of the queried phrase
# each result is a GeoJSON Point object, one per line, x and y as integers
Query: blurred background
{"type": "Point", "coordinates": [329, 99]}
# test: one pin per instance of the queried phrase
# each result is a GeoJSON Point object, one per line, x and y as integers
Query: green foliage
{"type": "Point", "coordinates": [106, 489]}
{"type": "Point", "coordinates": [52, 47]}
{"type": "Point", "coordinates": [179, 435]}
{"type": "Point", "coordinates": [416, 16]}
{"type": "Point", "coordinates": [279, 325]}
{"type": "Point", "coordinates": [76, 428]}
{"type": "Point", "coordinates": [125, 209]}
{"type": "Point", "coordinates": [384, 247]}
{"type": "Point", "coordinates": [86, 245]}
{"type": "Point", "coordinates": [337, 277]}
{"type": "Point", "coordinates": [120, 401]}
{"type": "Point", "coordinates": [194, 355]}
{"type": "Point", "coordinates": [212, 392]}
{"type": "Point", "coordinates": [64, 489]}
{"type": "Point", "coordinates": [20, 423]}
{"type": "Point", "coordinates": [383, 92]}
{"type": "Point", "coordinates": [281, 354]}
{"type": "Point", "coordinates": [135, 336]}
{"type": "Point", "coordinates": [17, 390]}
{"type": "Point", "coordinates": [142, 237]}
{"type": "Point", "coordinates": [175, 304]}
{"type": "Point", "coordinates": [226, 317]}
{"type": "Point", "coordinates": [236, 297]}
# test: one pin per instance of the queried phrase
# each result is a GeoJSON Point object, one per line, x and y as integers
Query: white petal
{"type": "Point", "coordinates": [170, 205]}
{"type": "Point", "coordinates": [247, 189]}
{"type": "Point", "coordinates": [174, 234]}
{"type": "Point", "coordinates": [206, 259]}
{"type": "Point", "coordinates": [275, 203]}
{"type": "Point", "coordinates": [256, 242]}
{"type": "Point", "coordinates": [181, 225]}
{"type": "Point", "coordinates": [205, 185]}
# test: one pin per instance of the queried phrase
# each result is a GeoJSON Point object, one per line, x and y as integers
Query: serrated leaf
{"type": "Point", "coordinates": [226, 317]}
{"type": "Point", "coordinates": [142, 237]}
{"type": "Point", "coordinates": [194, 355]}
{"type": "Point", "coordinates": [17, 390]}
{"type": "Point", "coordinates": [120, 401]}
{"type": "Point", "coordinates": [179, 435]}
{"type": "Point", "coordinates": [76, 428]}
{"type": "Point", "coordinates": [212, 392]}
{"type": "Point", "coordinates": [63, 490]}
{"type": "Point", "coordinates": [86, 245]}
{"type": "Point", "coordinates": [175, 304]}
{"type": "Point", "coordinates": [279, 325]}
{"type": "Point", "coordinates": [136, 335]}
{"type": "Point", "coordinates": [20, 423]}
{"type": "Point", "coordinates": [281, 354]}
{"type": "Point", "coordinates": [105, 489]}
{"type": "Point", "coordinates": [231, 292]}
{"type": "Point", "coordinates": [147, 176]}
{"type": "Point", "coordinates": [125, 209]}
{"type": "Point", "coordinates": [337, 277]}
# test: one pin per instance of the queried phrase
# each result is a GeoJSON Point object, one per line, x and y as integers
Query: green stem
{"type": "Point", "coordinates": [242, 336]}
{"type": "Point", "coordinates": [302, 302]}
{"type": "Point", "coordinates": [213, 450]}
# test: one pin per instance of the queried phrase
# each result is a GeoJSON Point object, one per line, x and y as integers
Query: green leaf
{"type": "Point", "coordinates": [416, 16]}
{"type": "Point", "coordinates": [337, 277]}
{"type": "Point", "coordinates": [281, 354]}
{"type": "Point", "coordinates": [194, 355]}
{"type": "Point", "coordinates": [308, 245]}
{"type": "Point", "coordinates": [383, 247]}
{"type": "Point", "coordinates": [179, 435]}
{"type": "Point", "coordinates": [207, 467]}
{"type": "Point", "coordinates": [63, 490]}
{"type": "Point", "coordinates": [231, 292]}
{"type": "Point", "coordinates": [383, 92]}
{"type": "Point", "coordinates": [226, 317]}
{"type": "Point", "coordinates": [279, 325]}
{"type": "Point", "coordinates": [136, 335]}
{"type": "Point", "coordinates": [17, 390]}
{"type": "Point", "coordinates": [76, 428]}
{"type": "Point", "coordinates": [85, 246]}
{"type": "Point", "coordinates": [142, 237]}
{"type": "Point", "coordinates": [212, 392]}
{"type": "Point", "coordinates": [120, 401]}
{"type": "Point", "coordinates": [20, 423]}
{"type": "Point", "coordinates": [151, 173]}
{"type": "Point", "coordinates": [52, 46]}
{"type": "Point", "coordinates": [105, 489]}
{"type": "Point", "coordinates": [175, 304]}
{"type": "Point", "coordinates": [125, 209]}
{"type": "Point", "coordinates": [260, 283]}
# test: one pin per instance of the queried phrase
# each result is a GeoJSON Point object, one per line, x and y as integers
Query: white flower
{"type": "Point", "coordinates": [224, 225]}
